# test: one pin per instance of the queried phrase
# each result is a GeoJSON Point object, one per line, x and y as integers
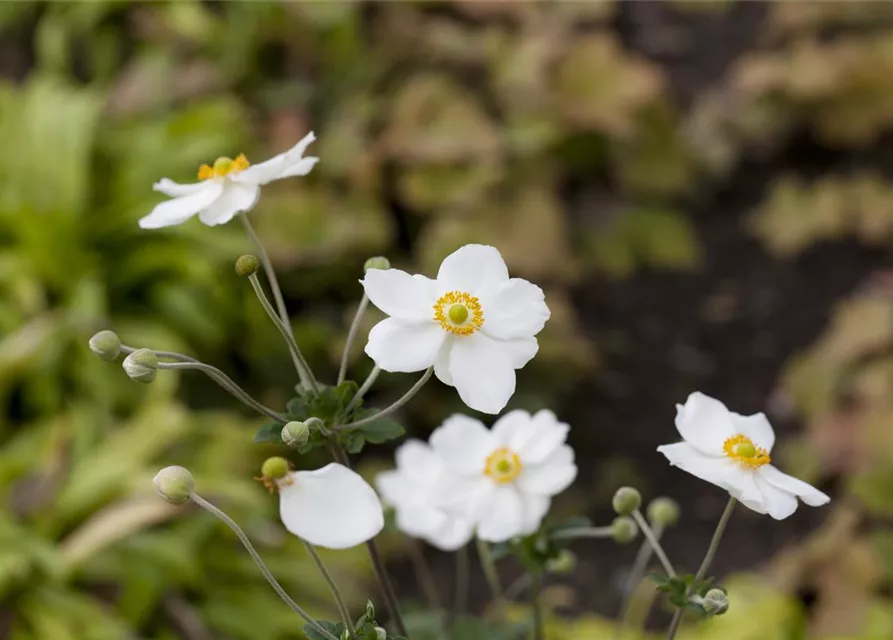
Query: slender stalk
{"type": "Point", "coordinates": [387, 589]}
{"type": "Point", "coordinates": [364, 388]}
{"type": "Point", "coordinates": [490, 572]}
{"type": "Point", "coordinates": [535, 600]}
{"type": "Point", "coordinates": [654, 542]}
{"type": "Point", "coordinates": [339, 600]}
{"type": "Point", "coordinates": [227, 383]}
{"type": "Point", "coordinates": [705, 564]}
{"type": "Point", "coordinates": [391, 409]}
{"type": "Point", "coordinates": [351, 335]}
{"type": "Point", "coordinates": [301, 366]}
{"type": "Point", "coordinates": [268, 269]}
{"type": "Point", "coordinates": [637, 571]}
{"type": "Point", "coordinates": [217, 513]}
{"type": "Point", "coordinates": [172, 355]}
{"type": "Point", "coordinates": [583, 532]}
{"type": "Point", "coordinates": [424, 575]}
{"type": "Point", "coordinates": [521, 584]}
{"type": "Point", "coordinates": [461, 603]}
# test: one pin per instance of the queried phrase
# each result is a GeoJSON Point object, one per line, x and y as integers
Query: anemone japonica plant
{"type": "Point", "coordinates": [473, 327]}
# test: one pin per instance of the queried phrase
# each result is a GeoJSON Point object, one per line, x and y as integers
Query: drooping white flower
{"type": "Point", "coordinates": [474, 324]}
{"type": "Point", "coordinates": [733, 452]}
{"type": "Point", "coordinates": [226, 188]}
{"type": "Point", "coordinates": [413, 489]}
{"type": "Point", "coordinates": [503, 479]}
{"type": "Point", "coordinates": [332, 507]}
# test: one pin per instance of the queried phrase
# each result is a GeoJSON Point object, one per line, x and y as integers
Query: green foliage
{"type": "Point", "coordinates": [680, 589]}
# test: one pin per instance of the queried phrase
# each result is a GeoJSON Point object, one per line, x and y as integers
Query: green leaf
{"type": "Point", "coordinates": [270, 432]}
{"type": "Point", "coordinates": [383, 430]}
{"type": "Point", "coordinates": [334, 628]}
{"type": "Point", "coordinates": [345, 392]}
{"type": "Point", "coordinates": [297, 409]}
{"type": "Point", "coordinates": [353, 441]}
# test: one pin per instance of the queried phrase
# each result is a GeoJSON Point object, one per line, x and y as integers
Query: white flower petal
{"type": "Point", "coordinates": [463, 444]}
{"type": "Point", "coordinates": [713, 469]}
{"type": "Point", "coordinates": [276, 167]}
{"type": "Point", "coordinates": [533, 438]}
{"type": "Point", "coordinates": [394, 489]}
{"type": "Point", "coordinates": [704, 422]}
{"type": "Point", "coordinates": [806, 492]}
{"type": "Point", "coordinates": [535, 509]}
{"type": "Point", "coordinates": [551, 476]}
{"type": "Point", "coordinates": [180, 209]}
{"type": "Point", "coordinates": [401, 295]}
{"type": "Point", "coordinates": [175, 189]}
{"type": "Point", "coordinates": [472, 268]}
{"type": "Point", "coordinates": [418, 460]}
{"type": "Point", "coordinates": [482, 373]}
{"type": "Point", "coordinates": [755, 427]}
{"type": "Point", "coordinates": [743, 487]}
{"type": "Point", "coordinates": [403, 347]}
{"type": "Point", "coordinates": [420, 522]}
{"type": "Point", "coordinates": [503, 516]}
{"type": "Point", "coordinates": [778, 503]}
{"type": "Point", "coordinates": [442, 363]}
{"type": "Point", "coordinates": [300, 168]}
{"type": "Point", "coordinates": [520, 350]}
{"type": "Point", "coordinates": [332, 507]}
{"type": "Point", "coordinates": [453, 535]}
{"type": "Point", "coordinates": [514, 309]}
{"type": "Point", "coordinates": [234, 199]}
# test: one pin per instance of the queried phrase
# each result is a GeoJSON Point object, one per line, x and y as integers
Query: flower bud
{"type": "Point", "coordinates": [381, 634]}
{"type": "Point", "coordinates": [274, 468]}
{"type": "Point", "coordinates": [626, 500]}
{"type": "Point", "coordinates": [716, 602]}
{"type": "Point", "coordinates": [247, 265]}
{"type": "Point", "coordinates": [174, 484]}
{"type": "Point", "coordinates": [377, 262]}
{"type": "Point", "coordinates": [663, 511]}
{"type": "Point", "coordinates": [564, 564]}
{"type": "Point", "coordinates": [295, 434]}
{"type": "Point", "coordinates": [141, 365]}
{"type": "Point", "coordinates": [106, 344]}
{"type": "Point", "coordinates": [624, 530]}
{"type": "Point", "coordinates": [370, 610]}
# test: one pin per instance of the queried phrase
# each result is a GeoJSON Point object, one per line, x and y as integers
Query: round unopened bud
{"type": "Point", "coordinates": [106, 344]}
{"type": "Point", "coordinates": [295, 434]}
{"type": "Point", "coordinates": [381, 634]}
{"type": "Point", "coordinates": [626, 500]}
{"type": "Point", "coordinates": [624, 530]}
{"type": "Point", "coordinates": [564, 564]}
{"type": "Point", "coordinates": [141, 365]}
{"type": "Point", "coordinates": [377, 262]}
{"type": "Point", "coordinates": [247, 265]}
{"type": "Point", "coordinates": [663, 511]}
{"type": "Point", "coordinates": [716, 602]}
{"type": "Point", "coordinates": [174, 484]}
{"type": "Point", "coordinates": [274, 468]}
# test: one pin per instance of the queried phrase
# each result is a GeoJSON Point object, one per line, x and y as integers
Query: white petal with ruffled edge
{"type": "Point", "coordinates": [502, 516]}
{"type": "Point", "coordinates": [236, 198]}
{"type": "Point", "coordinates": [755, 427]}
{"type": "Point", "coordinates": [332, 507]}
{"type": "Point", "coordinates": [482, 372]}
{"type": "Point", "coordinates": [179, 210]}
{"type": "Point", "coordinates": [399, 346]}
{"type": "Point", "coordinates": [806, 492]}
{"type": "Point", "coordinates": [472, 268]}
{"type": "Point", "coordinates": [551, 476]}
{"type": "Point", "coordinates": [514, 309]}
{"type": "Point", "coordinates": [705, 423]}
{"type": "Point", "coordinates": [278, 166]}
{"type": "Point", "coordinates": [463, 444]}
{"type": "Point", "coordinates": [401, 295]}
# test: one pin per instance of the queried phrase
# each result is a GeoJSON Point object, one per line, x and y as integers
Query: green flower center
{"type": "Point", "coordinates": [458, 313]}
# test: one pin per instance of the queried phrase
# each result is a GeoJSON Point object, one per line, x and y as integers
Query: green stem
{"type": "Point", "coordinates": [637, 571]}
{"type": "Point", "coordinates": [462, 563]}
{"type": "Point", "coordinates": [536, 601]}
{"type": "Point", "coordinates": [268, 269]}
{"type": "Point", "coordinates": [391, 409]}
{"type": "Point", "coordinates": [217, 513]}
{"type": "Point", "coordinates": [351, 335]}
{"type": "Point", "coordinates": [654, 542]}
{"type": "Point", "coordinates": [339, 600]}
{"type": "Point", "coordinates": [424, 575]}
{"type": "Point", "coordinates": [361, 392]}
{"type": "Point", "coordinates": [584, 532]}
{"type": "Point", "coordinates": [490, 572]}
{"type": "Point", "coordinates": [705, 564]}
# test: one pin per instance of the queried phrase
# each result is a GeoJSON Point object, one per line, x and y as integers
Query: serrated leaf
{"type": "Point", "coordinates": [271, 432]}
{"type": "Point", "coordinates": [354, 441]}
{"type": "Point", "coordinates": [335, 628]}
{"type": "Point", "coordinates": [379, 431]}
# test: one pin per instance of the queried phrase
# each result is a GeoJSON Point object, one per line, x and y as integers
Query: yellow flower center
{"type": "Point", "coordinates": [223, 166]}
{"type": "Point", "coordinates": [742, 450]}
{"type": "Point", "coordinates": [459, 313]}
{"type": "Point", "coordinates": [503, 465]}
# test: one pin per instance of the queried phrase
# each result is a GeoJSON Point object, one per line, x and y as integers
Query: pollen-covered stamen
{"type": "Point", "coordinates": [742, 450]}
{"type": "Point", "coordinates": [503, 465]}
{"type": "Point", "coordinates": [223, 166]}
{"type": "Point", "coordinates": [459, 312]}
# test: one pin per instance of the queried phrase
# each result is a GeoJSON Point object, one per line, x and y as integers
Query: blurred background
{"type": "Point", "coordinates": [700, 188]}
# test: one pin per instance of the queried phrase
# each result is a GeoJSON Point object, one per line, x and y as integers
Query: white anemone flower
{"type": "Point", "coordinates": [413, 489]}
{"type": "Point", "coordinates": [473, 324]}
{"type": "Point", "coordinates": [332, 507]}
{"type": "Point", "coordinates": [733, 452]}
{"type": "Point", "coordinates": [227, 187]}
{"type": "Point", "coordinates": [503, 479]}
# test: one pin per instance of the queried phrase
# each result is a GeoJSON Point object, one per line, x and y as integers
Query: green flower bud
{"type": "Point", "coordinates": [141, 365]}
{"type": "Point", "coordinates": [624, 530]}
{"type": "Point", "coordinates": [106, 344]}
{"type": "Point", "coordinates": [295, 434]}
{"type": "Point", "coordinates": [247, 265]}
{"type": "Point", "coordinates": [716, 602]}
{"type": "Point", "coordinates": [626, 500]}
{"type": "Point", "coordinates": [370, 610]}
{"type": "Point", "coordinates": [174, 484]}
{"type": "Point", "coordinates": [345, 635]}
{"type": "Point", "coordinates": [381, 634]}
{"type": "Point", "coordinates": [663, 511]}
{"type": "Point", "coordinates": [274, 468]}
{"type": "Point", "coordinates": [564, 564]}
{"type": "Point", "coordinates": [377, 262]}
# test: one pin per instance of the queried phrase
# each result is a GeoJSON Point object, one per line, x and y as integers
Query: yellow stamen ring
{"type": "Point", "coordinates": [459, 313]}
{"type": "Point", "coordinates": [503, 465]}
{"type": "Point", "coordinates": [742, 450]}
{"type": "Point", "coordinates": [223, 166]}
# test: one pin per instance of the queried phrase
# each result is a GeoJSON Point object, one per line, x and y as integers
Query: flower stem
{"type": "Point", "coordinates": [490, 572]}
{"type": "Point", "coordinates": [217, 513]}
{"type": "Point", "coordinates": [339, 600]}
{"type": "Point", "coordinates": [268, 269]}
{"type": "Point", "coordinates": [654, 542]}
{"type": "Point", "coordinates": [351, 335]}
{"type": "Point", "coordinates": [387, 410]}
{"type": "Point", "coordinates": [424, 575]}
{"type": "Point", "coordinates": [364, 388]}
{"type": "Point", "coordinates": [535, 600]}
{"type": "Point", "coordinates": [583, 532]}
{"type": "Point", "coordinates": [705, 564]}
{"type": "Point", "coordinates": [301, 366]}
{"type": "Point", "coordinates": [461, 603]}
{"type": "Point", "coordinates": [637, 571]}
{"type": "Point", "coordinates": [227, 383]}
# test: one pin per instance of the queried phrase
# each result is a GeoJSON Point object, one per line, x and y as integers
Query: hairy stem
{"type": "Point", "coordinates": [654, 542]}
{"type": "Point", "coordinates": [490, 572]}
{"type": "Point", "coordinates": [351, 335]}
{"type": "Point", "coordinates": [391, 409]}
{"type": "Point", "coordinates": [339, 600]}
{"type": "Point", "coordinates": [364, 388]}
{"type": "Point", "coordinates": [636, 573]}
